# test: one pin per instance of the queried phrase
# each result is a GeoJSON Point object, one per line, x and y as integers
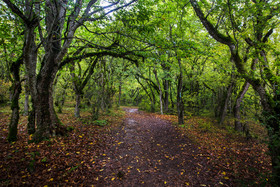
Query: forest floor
{"type": "Point", "coordinates": [149, 151]}
{"type": "Point", "coordinates": [134, 149]}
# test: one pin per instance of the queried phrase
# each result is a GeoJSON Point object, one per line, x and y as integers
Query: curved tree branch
{"type": "Point", "coordinates": [209, 26]}
{"type": "Point", "coordinates": [99, 54]}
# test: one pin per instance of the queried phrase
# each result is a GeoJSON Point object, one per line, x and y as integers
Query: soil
{"type": "Point", "coordinates": [148, 151]}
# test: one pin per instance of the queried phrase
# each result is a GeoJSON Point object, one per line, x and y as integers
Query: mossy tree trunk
{"type": "Point", "coordinates": [236, 109]}
{"type": "Point", "coordinates": [225, 103]}
{"type": "Point", "coordinates": [47, 121]}
{"type": "Point", "coordinates": [16, 90]}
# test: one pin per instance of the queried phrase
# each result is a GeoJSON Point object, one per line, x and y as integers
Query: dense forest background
{"type": "Point", "coordinates": [214, 59]}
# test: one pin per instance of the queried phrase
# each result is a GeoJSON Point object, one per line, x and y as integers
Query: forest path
{"type": "Point", "coordinates": [148, 151]}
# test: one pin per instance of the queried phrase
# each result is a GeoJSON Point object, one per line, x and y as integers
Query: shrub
{"type": "Point", "coordinates": [101, 123]}
{"type": "Point", "coordinates": [205, 126]}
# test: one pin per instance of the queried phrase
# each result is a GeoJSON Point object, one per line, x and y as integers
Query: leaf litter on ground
{"type": "Point", "coordinates": [84, 156]}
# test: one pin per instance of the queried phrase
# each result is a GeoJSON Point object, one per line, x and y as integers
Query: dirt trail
{"type": "Point", "coordinates": [148, 151]}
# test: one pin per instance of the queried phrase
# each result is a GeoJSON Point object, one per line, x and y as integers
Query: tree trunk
{"type": "Point", "coordinates": [226, 101]}
{"type": "Point", "coordinates": [15, 92]}
{"type": "Point", "coordinates": [47, 121]}
{"type": "Point", "coordinates": [153, 100]}
{"type": "Point", "coordinates": [12, 136]}
{"type": "Point", "coordinates": [171, 98]}
{"type": "Point", "coordinates": [166, 95]}
{"type": "Point", "coordinates": [218, 102]}
{"type": "Point", "coordinates": [26, 104]}
{"type": "Point", "coordinates": [96, 108]}
{"type": "Point", "coordinates": [160, 92]}
{"type": "Point", "coordinates": [77, 107]}
{"type": "Point", "coordinates": [30, 65]}
{"type": "Point", "coordinates": [274, 147]}
{"type": "Point", "coordinates": [237, 115]}
{"type": "Point", "coordinates": [120, 93]}
{"type": "Point", "coordinates": [153, 104]}
{"type": "Point", "coordinates": [26, 99]}
{"type": "Point", "coordinates": [30, 60]}
{"type": "Point", "coordinates": [180, 104]}
{"type": "Point", "coordinates": [31, 121]}
{"type": "Point", "coordinates": [271, 118]}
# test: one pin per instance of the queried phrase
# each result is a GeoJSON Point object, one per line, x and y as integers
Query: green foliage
{"type": "Point", "coordinates": [44, 160]}
{"type": "Point", "coordinates": [101, 123]}
{"type": "Point", "coordinates": [205, 126]}
{"type": "Point", "coordinates": [70, 128]}
{"type": "Point", "coordinates": [71, 170]}
{"type": "Point", "coordinates": [32, 162]}
{"type": "Point", "coordinates": [4, 91]}
{"type": "Point", "coordinates": [188, 114]}
{"type": "Point", "coordinates": [145, 104]}
{"type": "Point", "coordinates": [230, 129]}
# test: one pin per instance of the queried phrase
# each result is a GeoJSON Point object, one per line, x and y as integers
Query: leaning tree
{"type": "Point", "coordinates": [249, 24]}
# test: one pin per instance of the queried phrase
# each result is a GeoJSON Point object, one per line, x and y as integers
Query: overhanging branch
{"type": "Point", "coordinates": [99, 54]}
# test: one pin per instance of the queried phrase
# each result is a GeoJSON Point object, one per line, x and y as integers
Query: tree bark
{"type": "Point", "coordinates": [77, 106]}
{"type": "Point", "coordinates": [180, 104]}
{"type": "Point", "coordinates": [237, 114]}
{"type": "Point", "coordinates": [153, 103]}
{"type": "Point", "coordinates": [153, 99]}
{"type": "Point", "coordinates": [160, 92]}
{"type": "Point", "coordinates": [226, 101]}
{"type": "Point", "coordinates": [16, 89]}
{"type": "Point", "coordinates": [166, 95]}
{"type": "Point", "coordinates": [30, 54]}
{"type": "Point", "coordinates": [31, 121]}
{"type": "Point", "coordinates": [120, 93]}
{"type": "Point", "coordinates": [26, 104]}
{"type": "Point", "coordinates": [26, 99]}
{"type": "Point", "coordinates": [171, 97]}
{"type": "Point", "coordinates": [30, 60]}
{"type": "Point", "coordinates": [79, 83]}
{"type": "Point", "coordinates": [12, 136]}
{"type": "Point", "coordinates": [47, 121]}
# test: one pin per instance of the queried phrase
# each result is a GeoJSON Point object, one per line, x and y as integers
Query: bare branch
{"type": "Point", "coordinates": [113, 10]}
{"type": "Point", "coordinates": [211, 9]}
